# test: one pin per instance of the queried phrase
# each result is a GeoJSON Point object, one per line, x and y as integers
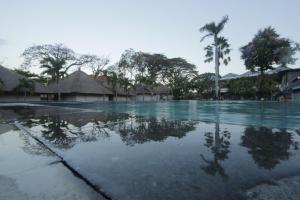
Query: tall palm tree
{"type": "Point", "coordinates": [54, 68]}
{"type": "Point", "coordinates": [112, 78]}
{"type": "Point", "coordinates": [219, 49]}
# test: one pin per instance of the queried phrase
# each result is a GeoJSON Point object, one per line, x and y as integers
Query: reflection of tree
{"type": "Point", "coordinates": [30, 146]}
{"type": "Point", "coordinates": [218, 143]}
{"type": "Point", "coordinates": [268, 147]}
{"type": "Point", "coordinates": [65, 130]}
{"type": "Point", "coordinates": [141, 130]}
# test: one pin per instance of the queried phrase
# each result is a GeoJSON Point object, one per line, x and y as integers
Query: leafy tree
{"type": "Point", "coordinates": [112, 78]}
{"type": "Point", "coordinates": [203, 83]}
{"type": "Point", "coordinates": [265, 50]}
{"type": "Point", "coordinates": [55, 60]}
{"type": "Point", "coordinates": [218, 50]}
{"type": "Point", "coordinates": [32, 76]}
{"type": "Point", "coordinates": [177, 74]}
{"type": "Point", "coordinates": [97, 64]}
{"type": "Point", "coordinates": [153, 69]}
{"type": "Point", "coordinates": [25, 86]}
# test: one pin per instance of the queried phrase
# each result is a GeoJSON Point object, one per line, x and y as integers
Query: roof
{"type": "Point", "coordinates": [119, 89]}
{"type": "Point", "coordinates": [142, 89]}
{"type": "Point", "coordinates": [229, 76]}
{"type": "Point", "coordinates": [160, 89]}
{"type": "Point", "coordinates": [253, 74]}
{"type": "Point", "coordinates": [79, 82]}
{"type": "Point", "coordinates": [11, 79]}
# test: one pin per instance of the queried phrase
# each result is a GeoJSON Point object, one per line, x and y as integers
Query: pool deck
{"type": "Point", "coordinates": [47, 175]}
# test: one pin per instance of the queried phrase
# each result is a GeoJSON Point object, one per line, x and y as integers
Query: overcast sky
{"type": "Point", "coordinates": [108, 27]}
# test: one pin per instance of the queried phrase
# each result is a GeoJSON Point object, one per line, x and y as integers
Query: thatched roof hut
{"type": "Point", "coordinates": [79, 83]}
{"type": "Point", "coordinates": [11, 80]}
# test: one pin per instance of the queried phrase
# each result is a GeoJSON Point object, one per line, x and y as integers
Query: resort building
{"type": "Point", "coordinates": [11, 88]}
{"type": "Point", "coordinates": [290, 85]}
{"type": "Point", "coordinates": [78, 86]}
{"type": "Point", "coordinates": [119, 92]}
{"type": "Point", "coordinates": [157, 93]}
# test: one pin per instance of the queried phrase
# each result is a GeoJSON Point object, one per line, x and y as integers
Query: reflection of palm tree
{"type": "Point", "coordinates": [30, 146]}
{"type": "Point", "coordinates": [219, 144]}
{"type": "Point", "coordinates": [267, 147]}
{"type": "Point", "coordinates": [57, 132]}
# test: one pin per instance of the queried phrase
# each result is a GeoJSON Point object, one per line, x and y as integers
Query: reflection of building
{"type": "Point", "coordinates": [10, 80]}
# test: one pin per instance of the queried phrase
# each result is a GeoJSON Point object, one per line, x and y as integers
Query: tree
{"type": "Point", "coordinates": [203, 83]}
{"type": "Point", "coordinates": [97, 64]}
{"type": "Point", "coordinates": [25, 86]}
{"type": "Point", "coordinates": [177, 74]}
{"type": "Point", "coordinates": [218, 50]}
{"type": "Point", "coordinates": [265, 50]}
{"type": "Point", "coordinates": [32, 76]}
{"type": "Point", "coordinates": [55, 60]}
{"type": "Point", "coordinates": [112, 78]}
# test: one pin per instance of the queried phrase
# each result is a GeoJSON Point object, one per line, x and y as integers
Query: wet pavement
{"type": "Point", "coordinates": [29, 171]}
{"type": "Point", "coordinates": [128, 156]}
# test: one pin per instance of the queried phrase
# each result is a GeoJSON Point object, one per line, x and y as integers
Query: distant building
{"type": "Point", "coordinates": [119, 92]}
{"type": "Point", "coordinates": [290, 85]}
{"type": "Point", "coordinates": [10, 81]}
{"type": "Point", "coordinates": [229, 76]}
{"type": "Point", "coordinates": [157, 93]}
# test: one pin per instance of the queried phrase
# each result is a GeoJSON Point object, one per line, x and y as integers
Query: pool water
{"type": "Point", "coordinates": [170, 150]}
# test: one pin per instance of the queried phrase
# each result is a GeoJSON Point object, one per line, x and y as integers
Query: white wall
{"type": "Point", "coordinates": [84, 98]}
{"type": "Point", "coordinates": [122, 98]}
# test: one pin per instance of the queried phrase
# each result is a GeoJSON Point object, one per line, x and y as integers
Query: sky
{"type": "Point", "coordinates": [170, 27]}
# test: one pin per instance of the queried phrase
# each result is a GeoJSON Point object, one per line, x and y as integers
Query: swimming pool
{"type": "Point", "coordinates": [170, 150]}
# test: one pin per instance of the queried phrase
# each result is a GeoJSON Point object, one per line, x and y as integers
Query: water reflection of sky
{"type": "Point", "coordinates": [133, 157]}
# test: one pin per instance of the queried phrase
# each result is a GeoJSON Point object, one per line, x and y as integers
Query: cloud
{"type": "Point", "coordinates": [2, 42]}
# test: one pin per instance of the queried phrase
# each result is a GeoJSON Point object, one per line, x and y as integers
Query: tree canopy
{"type": "Point", "coordinates": [142, 68]}
{"type": "Point", "coordinates": [266, 49]}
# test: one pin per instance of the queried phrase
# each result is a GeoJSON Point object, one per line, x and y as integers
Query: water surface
{"type": "Point", "coordinates": [171, 150]}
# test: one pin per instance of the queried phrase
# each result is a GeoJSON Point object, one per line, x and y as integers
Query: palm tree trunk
{"type": "Point", "coordinates": [58, 90]}
{"type": "Point", "coordinates": [217, 88]}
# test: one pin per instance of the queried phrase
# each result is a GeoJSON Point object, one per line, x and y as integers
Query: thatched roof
{"type": "Point", "coordinates": [142, 89]}
{"type": "Point", "coordinates": [119, 89]}
{"type": "Point", "coordinates": [78, 82]}
{"type": "Point", "coordinates": [11, 79]}
{"type": "Point", "coordinates": [160, 89]}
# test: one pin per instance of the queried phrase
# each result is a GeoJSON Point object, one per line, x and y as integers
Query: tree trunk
{"type": "Point", "coordinates": [217, 88]}
{"type": "Point", "coordinates": [58, 90]}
